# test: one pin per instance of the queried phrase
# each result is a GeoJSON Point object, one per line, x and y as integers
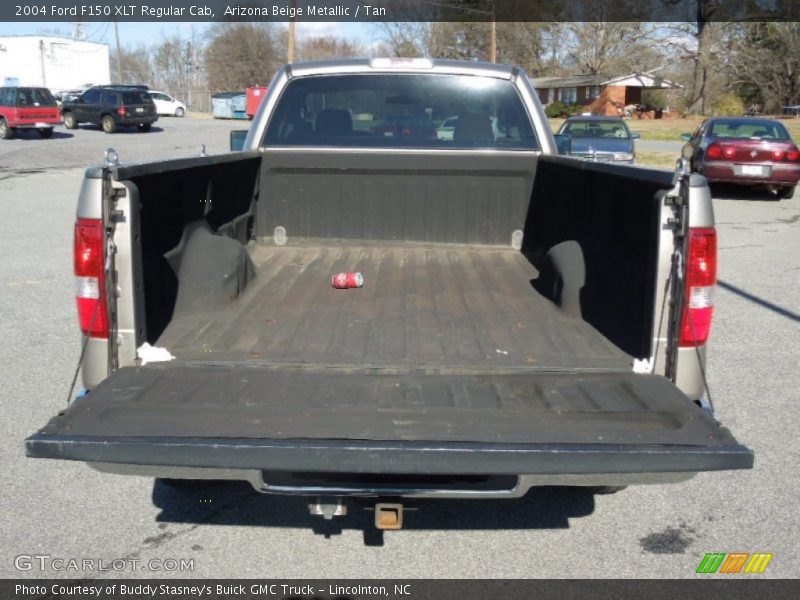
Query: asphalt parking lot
{"type": "Point", "coordinates": [66, 510]}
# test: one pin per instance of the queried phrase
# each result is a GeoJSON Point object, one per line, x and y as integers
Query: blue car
{"type": "Point", "coordinates": [600, 138]}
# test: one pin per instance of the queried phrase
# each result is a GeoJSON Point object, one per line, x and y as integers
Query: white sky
{"type": "Point", "coordinates": [132, 34]}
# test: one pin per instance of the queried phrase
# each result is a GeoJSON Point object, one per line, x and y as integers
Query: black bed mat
{"type": "Point", "coordinates": [210, 416]}
{"type": "Point", "coordinates": [443, 306]}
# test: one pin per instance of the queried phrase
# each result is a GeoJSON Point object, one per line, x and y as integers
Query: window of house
{"type": "Point", "coordinates": [592, 91]}
{"type": "Point", "coordinates": [569, 95]}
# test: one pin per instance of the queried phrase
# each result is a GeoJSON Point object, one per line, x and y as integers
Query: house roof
{"type": "Point", "coordinates": [568, 81]}
{"type": "Point", "coordinates": [643, 80]}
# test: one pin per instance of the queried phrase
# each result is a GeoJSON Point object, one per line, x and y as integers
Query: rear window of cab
{"type": "Point", "coordinates": [401, 111]}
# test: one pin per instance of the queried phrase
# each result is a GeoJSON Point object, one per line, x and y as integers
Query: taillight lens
{"type": "Point", "coordinates": [729, 151]}
{"type": "Point", "coordinates": [122, 111]}
{"type": "Point", "coordinates": [90, 277]}
{"type": "Point", "coordinates": [793, 155]}
{"type": "Point", "coordinates": [777, 154]}
{"type": "Point", "coordinates": [714, 151]}
{"type": "Point", "coordinates": [701, 278]}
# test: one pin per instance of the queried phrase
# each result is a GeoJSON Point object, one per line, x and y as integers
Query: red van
{"type": "Point", "coordinates": [27, 108]}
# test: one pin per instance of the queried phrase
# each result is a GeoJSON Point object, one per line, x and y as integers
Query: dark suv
{"type": "Point", "coordinates": [111, 106]}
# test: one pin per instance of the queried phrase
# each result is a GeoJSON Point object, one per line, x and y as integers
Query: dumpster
{"type": "Point", "coordinates": [255, 94]}
{"type": "Point", "coordinates": [239, 106]}
{"type": "Point", "coordinates": [222, 105]}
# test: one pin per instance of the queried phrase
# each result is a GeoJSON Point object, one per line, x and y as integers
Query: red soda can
{"type": "Point", "coordinates": [343, 281]}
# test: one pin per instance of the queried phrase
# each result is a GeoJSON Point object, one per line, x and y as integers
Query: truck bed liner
{"type": "Point", "coordinates": [438, 306]}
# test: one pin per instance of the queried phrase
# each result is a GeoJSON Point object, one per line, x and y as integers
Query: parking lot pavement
{"type": "Point", "coordinates": [170, 137]}
{"type": "Point", "coordinates": [67, 510]}
{"type": "Point", "coordinates": [659, 146]}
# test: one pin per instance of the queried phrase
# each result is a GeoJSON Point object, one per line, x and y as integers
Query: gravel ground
{"type": "Point", "coordinates": [67, 510]}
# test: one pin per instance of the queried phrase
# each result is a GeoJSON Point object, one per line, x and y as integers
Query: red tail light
{"type": "Point", "coordinates": [122, 111]}
{"type": "Point", "coordinates": [714, 151]}
{"type": "Point", "coordinates": [90, 277]}
{"type": "Point", "coordinates": [701, 277]}
{"type": "Point", "coordinates": [793, 155]}
{"type": "Point", "coordinates": [729, 151]}
{"type": "Point", "coordinates": [777, 154]}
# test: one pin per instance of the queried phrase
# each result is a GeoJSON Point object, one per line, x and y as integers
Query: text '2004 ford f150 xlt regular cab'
{"type": "Point", "coordinates": [525, 319]}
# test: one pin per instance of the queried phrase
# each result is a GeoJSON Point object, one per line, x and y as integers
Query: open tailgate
{"type": "Point", "coordinates": [338, 420]}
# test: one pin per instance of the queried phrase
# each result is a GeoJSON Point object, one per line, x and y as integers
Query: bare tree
{"type": "Point", "coordinates": [172, 62]}
{"type": "Point", "coordinates": [243, 54]}
{"type": "Point", "coordinates": [328, 46]}
{"type": "Point", "coordinates": [408, 39]}
{"type": "Point", "coordinates": [135, 65]}
{"type": "Point", "coordinates": [601, 47]}
{"type": "Point", "coordinates": [766, 56]}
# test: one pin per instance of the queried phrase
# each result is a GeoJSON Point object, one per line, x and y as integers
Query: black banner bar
{"type": "Point", "coordinates": [728, 587]}
{"type": "Point", "coordinates": [367, 11]}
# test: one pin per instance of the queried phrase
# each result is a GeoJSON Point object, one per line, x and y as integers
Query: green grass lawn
{"type": "Point", "coordinates": [662, 160]}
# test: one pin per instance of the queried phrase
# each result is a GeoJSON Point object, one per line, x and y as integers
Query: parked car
{"type": "Point", "coordinates": [111, 106]}
{"type": "Point", "coordinates": [27, 108]}
{"type": "Point", "coordinates": [167, 105]}
{"type": "Point", "coordinates": [67, 95]}
{"type": "Point", "coordinates": [600, 138]}
{"type": "Point", "coordinates": [504, 336]}
{"type": "Point", "coordinates": [745, 151]}
{"type": "Point", "coordinates": [446, 130]}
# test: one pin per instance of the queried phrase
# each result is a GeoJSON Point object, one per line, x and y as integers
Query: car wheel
{"type": "Point", "coordinates": [46, 133]}
{"type": "Point", "coordinates": [6, 132]}
{"type": "Point", "coordinates": [108, 124]}
{"type": "Point", "coordinates": [69, 121]}
{"type": "Point", "coordinates": [144, 126]}
{"type": "Point", "coordinates": [179, 112]}
{"type": "Point", "coordinates": [786, 192]}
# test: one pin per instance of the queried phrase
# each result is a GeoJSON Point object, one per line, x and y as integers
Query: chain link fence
{"type": "Point", "coordinates": [196, 99]}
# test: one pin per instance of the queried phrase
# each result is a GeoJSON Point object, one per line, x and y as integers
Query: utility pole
{"type": "Point", "coordinates": [41, 58]}
{"type": "Point", "coordinates": [119, 52]}
{"type": "Point", "coordinates": [493, 44]}
{"type": "Point", "coordinates": [290, 41]}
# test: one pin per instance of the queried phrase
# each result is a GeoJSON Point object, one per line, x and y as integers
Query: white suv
{"type": "Point", "coordinates": [167, 105]}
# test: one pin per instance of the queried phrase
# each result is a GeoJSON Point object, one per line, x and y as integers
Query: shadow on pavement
{"type": "Point", "coordinates": [724, 191]}
{"type": "Point", "coordinates": [237, 503]}
{"type": "Point", "coordinates": [29, 134]}
{"type": "Point", "coordinates": [784, 312]}
{"type": "Point", "coordinates": [121, 129]}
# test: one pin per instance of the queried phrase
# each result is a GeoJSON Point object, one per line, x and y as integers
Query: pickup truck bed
{"type": "Point", "coordinates": [457, 357]}
{"type": "Point", "coordinates": [446, 362]}
{"type": "Point", "coordinates": [438, 306]}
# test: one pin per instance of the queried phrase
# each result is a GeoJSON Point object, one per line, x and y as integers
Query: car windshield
{"type": "Point", "coordinates": [749, 129]}
{"type": "Point", "coordinates": [400, 110]}
{"type": "Point", "coordinates": [595, 129]}
{"type": "Point", "coordinates": [35, 97]}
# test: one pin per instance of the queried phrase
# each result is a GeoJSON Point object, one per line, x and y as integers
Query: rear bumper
{"type": "Point", "coordinates": [42, 124]}
{"type": "Point", "coordinates": [518, 486]}
{"type": "Point", "coordinates": [580, 464]}
{"type": "Point", "coordinates": [130, 121]}
{"type": "Point", "coordinates": [725, 172]}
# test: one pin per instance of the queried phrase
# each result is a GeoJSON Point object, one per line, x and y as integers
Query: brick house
{"type": "Point", "coordinates": [599, 94]}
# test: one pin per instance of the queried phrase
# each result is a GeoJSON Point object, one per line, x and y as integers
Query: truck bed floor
{"type": "Point", "coordinates": [452, 307]}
